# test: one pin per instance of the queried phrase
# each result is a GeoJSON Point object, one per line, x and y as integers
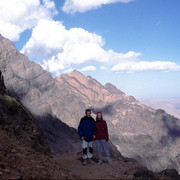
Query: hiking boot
{"type": "Point", "coordinates": [99, 162]}
{"type": "Point", "coordinates": [90, 161]}
{"type": "Point", "coordinates": [84, 162]}
{"type": "Point", "coordinates": [109, 162]}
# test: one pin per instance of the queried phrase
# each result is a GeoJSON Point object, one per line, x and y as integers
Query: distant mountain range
{"type": "Point", "coordinates": [150, 136]}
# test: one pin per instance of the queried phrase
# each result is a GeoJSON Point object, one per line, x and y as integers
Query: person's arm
{"type": "Point", "coordinates": [94, 133]}
{"type": "Point", "coordinates": [95, 128]}
{"type": "Point", "coordinates": [80, 129]}
{"type": "Point", "coordinates": [106, 131]}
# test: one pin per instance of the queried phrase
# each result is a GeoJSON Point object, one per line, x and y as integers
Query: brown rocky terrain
{"type": "Point", "coordinates": [121, 168]}
{"type": "Point", "coordinates": [148, 135]}
{"type": "Point", "coordinates": [24, 152]}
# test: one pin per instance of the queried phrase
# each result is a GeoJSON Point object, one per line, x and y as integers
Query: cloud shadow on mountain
{"type": "Point", "coordinates": [172, 126]}
{"type": "Point", "coordinates": [61, 138]}
{"type": "Point", "coordinates": [106, 110]}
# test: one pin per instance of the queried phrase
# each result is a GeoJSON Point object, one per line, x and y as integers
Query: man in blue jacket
{"type": "Point", "coordinates": [87, 134]}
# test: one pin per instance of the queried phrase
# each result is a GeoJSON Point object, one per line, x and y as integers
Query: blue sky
{"type": "Point", "coordinates": [133, 44]}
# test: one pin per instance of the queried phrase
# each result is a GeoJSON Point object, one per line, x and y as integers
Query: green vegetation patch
{"type": "Point", "coordinates": [8, 100]}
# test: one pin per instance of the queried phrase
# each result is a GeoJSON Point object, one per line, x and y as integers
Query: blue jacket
{"type": "Point", "coordinates": [86, 128]}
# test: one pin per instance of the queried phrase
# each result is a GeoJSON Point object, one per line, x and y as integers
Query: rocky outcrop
{"type": "Point", "coordinates": [28, 82]}
{"type": "Point", "coordinates": [24, 152]}
{"type": "Point", "coordinates": [113, 89]}
{"type": "Point", "coordinates": [17, 121]}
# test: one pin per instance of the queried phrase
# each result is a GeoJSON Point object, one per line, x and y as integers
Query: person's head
{"type": "Point", "coordinates": [99, 116]}
{"type": "Point", "coordinates": [88, 112]}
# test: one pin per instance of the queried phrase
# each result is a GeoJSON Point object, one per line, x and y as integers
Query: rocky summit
{"type": "Point", "coordinates": [147, 135]}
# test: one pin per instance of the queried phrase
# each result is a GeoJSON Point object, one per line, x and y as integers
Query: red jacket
{"type": "Point", "coordinates": [101, 130]}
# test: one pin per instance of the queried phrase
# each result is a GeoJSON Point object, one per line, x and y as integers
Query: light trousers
{"type": "Point", "coordinates": [102, 144]}
{"type": "Point", "coordinates": [87, 149]}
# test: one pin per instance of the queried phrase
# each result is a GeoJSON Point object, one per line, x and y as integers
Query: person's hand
{"type": "Point", "coordinates": [82, 138]}
{"type": "Point", "coordinates": [94, 137]}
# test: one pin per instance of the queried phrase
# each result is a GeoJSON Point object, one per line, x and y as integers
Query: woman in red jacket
{"type": "Point", "coordinates": [101, 133]}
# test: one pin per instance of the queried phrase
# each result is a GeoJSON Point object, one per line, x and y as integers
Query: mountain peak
{"type": "Point", "coordinates": [6, 45]}
{"type": "Point", "coordinates": [89, 88]}
{"type": "Point", "coordinates": [76, 73]}
{"type": "Point", "coordinates": [113, 89]}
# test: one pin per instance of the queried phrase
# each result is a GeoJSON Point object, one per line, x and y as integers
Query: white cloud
{"type": "Point", "coordinates": [68, 70]}
{"type": "Point", "coordinates": [131, 66]}
{"type": "Point", "coordinates": [17, 16]}
{"type": "Point", "coordinates": [103, 68]}
{"type": "Point", "coordinates": [58, 49]}
{"type": "Point", "coordinates": [73, 6]}
{"type": "Point", "coordinates": [88, 68]}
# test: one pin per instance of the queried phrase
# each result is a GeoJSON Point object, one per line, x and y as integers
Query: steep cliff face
{"type": "Point", "coordinates": [36, 89]}
{"type": "Point", "coordinates": [18, 121]}
{"type": "Point", "coordinates": [113, 89]}
{"type": "Point", "coordinates": [24, 152]}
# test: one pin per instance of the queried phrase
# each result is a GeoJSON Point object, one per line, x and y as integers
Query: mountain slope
{"type": "Point", "coordinates": [24, 153]}
{"type": "Point", "coordinates": [28, 82]}
{"type": "Point", "coordinates": [83, 92]}
{"type": "Point", "coordinates": [150, 136]}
